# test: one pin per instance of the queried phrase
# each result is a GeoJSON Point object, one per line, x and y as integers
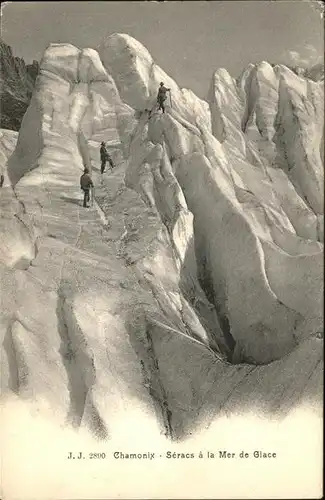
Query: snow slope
{"type": "Point", "coordinates": [193, 286]}
{"type": "Point", "coordinates": [8, 141]}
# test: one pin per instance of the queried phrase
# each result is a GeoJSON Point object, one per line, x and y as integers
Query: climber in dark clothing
{"type": "Point", "coordinates": [86, 184]}
{"type": "Point", "coordinates": [162, 96]}
{"type": "Point", "coordinates": [104, 157]}
{"type": "Point", "coordinates": [2, 179]}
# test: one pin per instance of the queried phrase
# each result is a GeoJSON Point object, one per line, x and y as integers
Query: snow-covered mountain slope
{"type": "Point", "coordinates": [193, 286]}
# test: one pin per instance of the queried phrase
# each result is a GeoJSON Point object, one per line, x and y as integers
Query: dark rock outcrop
{"type": "Point", "coordinates": [17, 81]}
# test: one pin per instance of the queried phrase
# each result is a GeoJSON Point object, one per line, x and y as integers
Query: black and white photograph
{"type": "Point", "coordinates": [161, 249]}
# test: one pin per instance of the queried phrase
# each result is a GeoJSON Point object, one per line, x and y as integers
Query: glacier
{"type": "Point", "coordinates": [193, 287]}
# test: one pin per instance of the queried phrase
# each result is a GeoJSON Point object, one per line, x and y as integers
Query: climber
{"type": "Point", "coordinates": [162, 96]}
{"type": "Point", "coordinates": [2, 179]}
{"type": "Point", "coordinates": [104, 157]}
{"type": "Point", "coordinates": [86, 184]}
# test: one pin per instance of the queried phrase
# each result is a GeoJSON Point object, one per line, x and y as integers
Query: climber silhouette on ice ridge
{"type": "Point", "coordinates": [161, 98]}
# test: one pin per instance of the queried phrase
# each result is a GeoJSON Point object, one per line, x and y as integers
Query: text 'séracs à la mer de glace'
{"type": "Point", "coordinates": [220, 454]}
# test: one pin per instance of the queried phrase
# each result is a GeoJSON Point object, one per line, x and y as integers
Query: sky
{"type": "Point", "coordinates": [189, 40]}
